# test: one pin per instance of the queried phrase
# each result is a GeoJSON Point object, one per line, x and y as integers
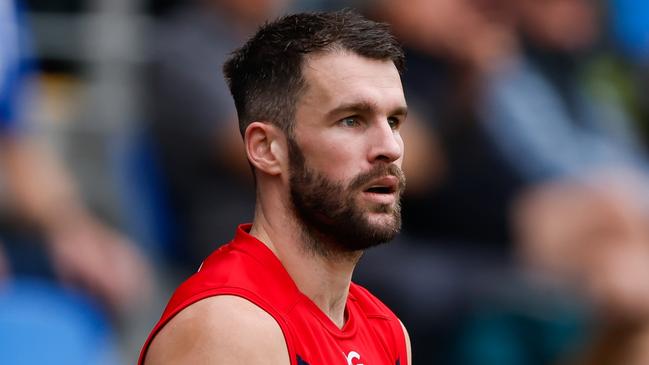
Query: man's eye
{"type": "Point", "coordinates": [394, 122]}
{"type": "Point", "coordinates": [350, 122]}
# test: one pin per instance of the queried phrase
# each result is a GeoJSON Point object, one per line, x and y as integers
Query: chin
{"type": "Point", "coordinates": [380, 222]}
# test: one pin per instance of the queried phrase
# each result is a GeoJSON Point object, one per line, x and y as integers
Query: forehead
{"type": "Point", "coordinates": [339, 77]}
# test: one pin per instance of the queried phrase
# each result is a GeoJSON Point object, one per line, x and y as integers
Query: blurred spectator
{"type": "Point", "coordinates": [537, 107]}
{"type": "Point", "coordinates": [193, 121]}
{"type": "Point", "coordinates": [564, 130]}
{"type": "Point", "coordinates": [39, 202]}
{"type": "Point", "coordinates": [576, 150]}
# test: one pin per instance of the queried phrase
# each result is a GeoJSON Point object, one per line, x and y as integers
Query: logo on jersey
{"type": "Point", "coordinates": [353, 355]}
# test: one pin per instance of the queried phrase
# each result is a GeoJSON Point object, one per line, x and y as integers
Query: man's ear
{"type": "Point", "coordinates": [266, 147]}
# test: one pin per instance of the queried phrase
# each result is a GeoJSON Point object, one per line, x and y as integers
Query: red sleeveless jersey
{"type": "Point", "coordinates": [245, 267]}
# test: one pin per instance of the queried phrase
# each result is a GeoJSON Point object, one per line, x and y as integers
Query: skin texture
{"type": "Point", "coordinates": [338, 144]}
{"type": "Point", "coordinates": [213, 330]}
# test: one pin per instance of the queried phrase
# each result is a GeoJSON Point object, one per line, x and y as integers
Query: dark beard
{"type": "Point", "coordinates": [331, 220]}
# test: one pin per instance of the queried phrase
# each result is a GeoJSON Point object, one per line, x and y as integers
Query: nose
{"type": "Point", "coordinates": [386, 144]}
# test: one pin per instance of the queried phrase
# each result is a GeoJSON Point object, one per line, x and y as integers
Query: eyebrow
{"type": "Point", "coordinates": [363, 107]}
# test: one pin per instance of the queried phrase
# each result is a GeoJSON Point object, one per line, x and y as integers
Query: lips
{"type": "Point", "coordinates": [383, 185]}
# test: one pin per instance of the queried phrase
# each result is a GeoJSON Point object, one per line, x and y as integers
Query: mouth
{"type": "Point", "coordinates": [380, 190]}
{"type": "Point", "coordinates": [387, 185]}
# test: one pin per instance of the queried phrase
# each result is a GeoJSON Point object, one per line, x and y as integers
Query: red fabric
{"type": "Point", "coordinates": [247, 268]}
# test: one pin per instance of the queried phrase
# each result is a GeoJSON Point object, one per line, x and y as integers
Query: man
{"type": "Point", "coordinates": [320, 106]}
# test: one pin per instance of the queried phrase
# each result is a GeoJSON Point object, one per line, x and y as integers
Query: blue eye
{"type": "Point", "coordinates": [350, 122]}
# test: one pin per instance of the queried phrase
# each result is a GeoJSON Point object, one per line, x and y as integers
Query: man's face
{"type": "Point", "coordinates": [346, 152]}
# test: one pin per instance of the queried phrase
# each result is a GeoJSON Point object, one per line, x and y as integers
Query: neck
{"type": "Point", "coordinates": [325, 279]}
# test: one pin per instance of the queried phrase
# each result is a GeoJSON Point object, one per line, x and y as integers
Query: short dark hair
{"type": "Point", "coordinates": [265, 75]}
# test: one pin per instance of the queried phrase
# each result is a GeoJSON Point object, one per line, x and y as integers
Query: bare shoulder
{"type": "Point", "coordinates": [220, 330]}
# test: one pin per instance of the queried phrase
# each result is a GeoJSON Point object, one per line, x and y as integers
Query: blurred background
{"type": "Point", "coordinates": [525, 238]}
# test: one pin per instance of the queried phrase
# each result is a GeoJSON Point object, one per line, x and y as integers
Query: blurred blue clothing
{"type": "Point", "coordinates": [550, 126]}
{"type": "Point", "coordinates": [15, 63]}
{"type": "Point", "coordinates": [42, 323]}
{"type": "Point", "coordinates": [630, 23]}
